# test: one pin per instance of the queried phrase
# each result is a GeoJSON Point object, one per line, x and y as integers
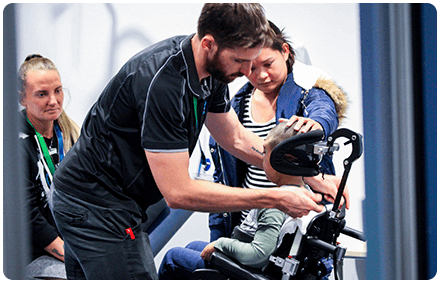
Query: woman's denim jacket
{"type": "Point", "coordinates": [292, 100]}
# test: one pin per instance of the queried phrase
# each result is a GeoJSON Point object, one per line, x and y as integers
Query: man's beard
{"type": "Point", "coordinates": [215, 69]}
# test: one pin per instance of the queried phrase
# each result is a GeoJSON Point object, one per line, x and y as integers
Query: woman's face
{"type": "Point", "coordinates": [269, 70]}
{"type": "Point", "coordinates": [44, 95]}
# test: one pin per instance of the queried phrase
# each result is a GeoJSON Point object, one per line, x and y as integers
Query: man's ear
{"type": "Point", "coordinates": [208, 43]}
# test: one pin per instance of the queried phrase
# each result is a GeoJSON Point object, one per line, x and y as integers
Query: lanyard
{"type": "Point", "coordinates": [195, 111]}
{"type": "Point", "coordinates": [44, 148]}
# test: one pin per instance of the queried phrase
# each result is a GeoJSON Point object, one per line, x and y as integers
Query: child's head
{"type": "Point", "coordinates": [279, 133]}
{"type": "Point", "coordinates": [294, 158]}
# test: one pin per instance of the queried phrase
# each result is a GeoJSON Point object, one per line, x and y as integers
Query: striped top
{"type": "Point", "coordinates": [255, 177]}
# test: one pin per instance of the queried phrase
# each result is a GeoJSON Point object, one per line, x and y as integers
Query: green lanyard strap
{"type": "Point", "coordinates": [44, 148]}
{"type": "Point", "coordinates": [195, 111]}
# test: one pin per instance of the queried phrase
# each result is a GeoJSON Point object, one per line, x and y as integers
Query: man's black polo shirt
{"type": "Point", "coordinates": [150, 104]}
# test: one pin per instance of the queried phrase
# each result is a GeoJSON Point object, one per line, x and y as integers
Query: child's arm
{"type": "Point", "coordinates": [256, 253]}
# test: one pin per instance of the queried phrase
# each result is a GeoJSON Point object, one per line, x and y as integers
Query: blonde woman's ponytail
{"type": "Point", "coordinates": [69, 129]}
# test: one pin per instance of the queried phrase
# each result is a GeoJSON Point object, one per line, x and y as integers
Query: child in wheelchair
{"type": "Point", "coordinates": [258, 237]}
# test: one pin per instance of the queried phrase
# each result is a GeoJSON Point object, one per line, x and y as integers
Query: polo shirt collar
{"type": "Point", "coordinates": [200, 89]}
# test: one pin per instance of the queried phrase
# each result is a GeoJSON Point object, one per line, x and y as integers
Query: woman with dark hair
{"type": "Point", "coordinates": [271, 94]}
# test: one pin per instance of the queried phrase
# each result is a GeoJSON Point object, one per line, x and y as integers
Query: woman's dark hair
{"type": "Point", "coordinates": [279, 38]}
{"type": "Point", "coordinates": [234, 24]}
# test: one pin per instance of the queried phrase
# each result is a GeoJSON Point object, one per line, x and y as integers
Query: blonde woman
{"type": "Point", "coordinates": [46, 135]}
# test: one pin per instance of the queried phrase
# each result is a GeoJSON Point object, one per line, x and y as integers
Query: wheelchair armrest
{"type": "Point", "coordinates": [234, 269]}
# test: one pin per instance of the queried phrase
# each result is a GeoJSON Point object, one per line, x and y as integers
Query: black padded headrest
{"type": "Point", "coordinates": [294, 156]}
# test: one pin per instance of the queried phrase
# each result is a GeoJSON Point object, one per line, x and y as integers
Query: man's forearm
{"type": "Point", "coordinates": [236, 139]}
{"type": "Point", "coordinates": [249, 150]}
{"type": "Point", "coordinates": [56, 248]}
{"type": "Point", "coordinates": [180, 191]}
{"type": "Point", "coordinates": [212, 197]}
{"type": "Point", "coordinates": [207, 196]}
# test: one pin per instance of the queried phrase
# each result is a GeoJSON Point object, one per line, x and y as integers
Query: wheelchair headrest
{"type": "Point", "coordinates": [295, 155]}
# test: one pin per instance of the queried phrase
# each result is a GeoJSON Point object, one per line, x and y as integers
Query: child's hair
{"type": "Point", "coordinates": [279, 133]}
{"type": "Point", "coordinates": [290, 151]}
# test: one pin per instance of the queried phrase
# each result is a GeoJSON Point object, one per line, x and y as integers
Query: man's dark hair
{"type": "Point", "coordinates": [234, 24]}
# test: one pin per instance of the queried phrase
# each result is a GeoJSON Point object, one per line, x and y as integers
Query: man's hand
{"type": "Point", "coordinates": [298, 202]}
{"type": "Point", "coordinates": [329, 187]}
{"type": "Point", "coordinates": [207, 251]}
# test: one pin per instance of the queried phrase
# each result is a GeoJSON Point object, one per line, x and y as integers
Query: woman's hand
{"type": "Point", "coordinates": [329, 188]}
{"type": "Point", "coordinates": [303, 124]}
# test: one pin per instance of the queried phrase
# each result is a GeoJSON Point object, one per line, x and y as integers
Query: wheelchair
{"type": "Point", "coordinates": [313, 255]}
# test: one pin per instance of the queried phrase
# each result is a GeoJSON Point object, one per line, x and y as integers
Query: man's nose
{"type": "Point", "coordinates": [246, 68]}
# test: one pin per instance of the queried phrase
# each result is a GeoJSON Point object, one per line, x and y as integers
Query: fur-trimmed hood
{"type": "Point", "coordinates": [308, 76]}
{"type": "Point", "coordinates": [337, 95]}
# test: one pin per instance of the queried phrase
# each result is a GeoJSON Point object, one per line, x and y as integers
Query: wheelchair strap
{"type": "Point", "coordinates": [296, 243]}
